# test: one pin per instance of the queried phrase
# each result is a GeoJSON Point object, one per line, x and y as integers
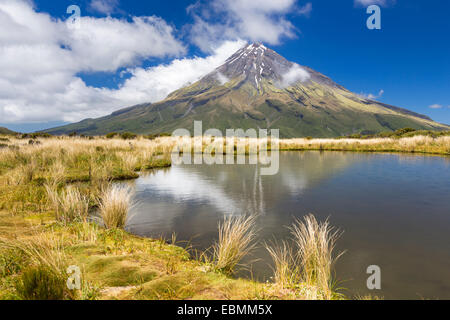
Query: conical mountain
{"type": "Point", "coordinates": [258, 88]}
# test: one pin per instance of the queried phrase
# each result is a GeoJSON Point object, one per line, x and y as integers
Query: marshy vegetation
{"type": "Point", "coordinates": [404, 141]}
{"type": "Point", "coordinates": [308, 259]}
{"type": "Point", "coordinates": [236, 240]}
{"type": "Point", "coordinates": [50, 187]}
{"type": "Point", "coordinates": [114, 206]}
{"type": "Point", "coordinates": [50, 190]}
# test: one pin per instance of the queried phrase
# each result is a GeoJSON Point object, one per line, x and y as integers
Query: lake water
{"type": "Point", "coordinates": [394, 211]}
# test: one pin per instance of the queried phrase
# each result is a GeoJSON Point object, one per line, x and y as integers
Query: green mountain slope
{"type": "Point", "coordinates": [257, 88]}
{"type": "Point", "coordinates": [6, 131]}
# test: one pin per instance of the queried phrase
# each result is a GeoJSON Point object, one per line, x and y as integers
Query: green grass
{"type": "Point", "coordinates": [43, 229]}
{"type": "Point", "coordinates": [117, 265]}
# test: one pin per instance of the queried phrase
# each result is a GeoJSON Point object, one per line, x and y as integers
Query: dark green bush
{"type": "Point", "coordinates": [157, 135]}
{"type": "Point", "coordinates": [401, 132]}
{"type": "Point", "coordinates": [128, 136]}
{"type": "Point", "coordinates": [34, 142]}
{"type": "Point", "coordinates": [41, 283]}
{"type": "Point", "coordinates": [111, 135]}
{"type": "Point", "coordinates": [35, 135]}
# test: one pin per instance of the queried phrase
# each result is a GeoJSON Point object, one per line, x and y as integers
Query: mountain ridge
{"type": "Point", "coordinates": [258, 88]}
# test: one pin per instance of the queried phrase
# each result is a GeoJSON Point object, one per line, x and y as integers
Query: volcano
{"type": "Point", "coordinates": [258, 88]}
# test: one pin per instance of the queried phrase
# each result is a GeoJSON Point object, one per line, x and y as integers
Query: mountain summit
{"type": "Point", "coordinates": [255, 63]}
{"type": "Point", "coordinates": [258, 88]}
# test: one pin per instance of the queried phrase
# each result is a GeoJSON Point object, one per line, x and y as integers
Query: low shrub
{"type": "Point", "coordinates": [128, 136]}
{"type": "Point", "coordinates": [111, 135]}
{"type": "Point", "coordinates": [42, 283]}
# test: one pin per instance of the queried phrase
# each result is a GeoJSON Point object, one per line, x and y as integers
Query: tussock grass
{"type": "Point", "coordinates": [70, 205]}
{"type": "Point", "coordinates": [43, 271]}
{"type": "Point", "coordinates": [118, 265]}
{"type": "Point", "coordinates": [65, 176]}
{"type": "Point", "coordinates": [314, 244]}
{"type": "Point", "coordinates": [286, 271]}
{"type": "Point", "coordinates": [41, 283]}
{"type": "Point", "coordinates": [59, 160]}
{"type": "Point", "coordinates": [308, 262]}
{"type": "Point", "coordinates": [43, 249]}
{"type": "Point", "coordinates": [236, 240]}
{"type": "Point", "coordinates": [74, 206]}
{"type": "Point", "coordinates": [114, 206]}
{"type": "Point", "coordinates": [57, 173]}
{"type": "Point", "coordinates": [416, 144]}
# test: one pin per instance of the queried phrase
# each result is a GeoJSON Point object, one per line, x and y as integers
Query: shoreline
{"type": "Point", "coordinates": [116, 263]}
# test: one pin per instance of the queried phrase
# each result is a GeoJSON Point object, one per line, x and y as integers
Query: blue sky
{"type": "Point", "coordinates": [405, 64]}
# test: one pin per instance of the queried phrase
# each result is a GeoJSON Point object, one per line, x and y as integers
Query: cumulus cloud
{"type": "Point", "coordinates": [435, 106]}
{"type": "Point", "coordinates": [40, 58]}
{"type": "Point", "coordinates": [155, 83]}
{"type": "Point", "coordinates": [107, 44]}
{"type": "Point", "coordinates": [263, 20]}
{"type": "Point", "coordinates": [366, 3]}
{"type": "Point", "coordinates": [294, 75]}
{"type": "Point", "coordinates": [104, 6]}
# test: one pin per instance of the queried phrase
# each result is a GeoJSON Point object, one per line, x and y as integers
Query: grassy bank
{"type": "Point", "coordinates": [117, 265]}
{"type": "Point", "coordinates": [49, 186]}
{"type": "Point", "coordinates": [48, 189]}
{"type": "Point", "coordinates": [405, 140]}
{"type": "Point", "coordinates": [417, 144]}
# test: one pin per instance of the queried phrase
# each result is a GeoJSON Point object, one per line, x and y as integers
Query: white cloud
{"type": "Point", "coordinates": [40, 58]}
{"type": "Point", "coordinates": [435, 106]}
{"type": "Point", "coordinates": [263, 20]}
{"type": "Point", "coordinates": [294, 75]}
{"type": "Point", "coordinates": [155, 83]}
{"type": "Point", "coordinates": [372, 96]}
{"type": "Point", "coordinates": [107, 44]}
{"type": "Point", "coordinates": [306, 9]}
{"type": "Point", "coordinates": [222, 78]}
{"type": "Point", "coordinates": [366, 3]}
{"type": "Point", "coordinates": [104, 6]}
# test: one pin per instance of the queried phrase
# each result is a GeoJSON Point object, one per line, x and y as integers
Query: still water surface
{"type": "Point", "coordinates": [394, 211]}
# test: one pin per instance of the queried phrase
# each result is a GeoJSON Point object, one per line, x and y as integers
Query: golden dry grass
{"type": "Point", "coordinates": [286, 273]}
{"type": "Point", "coordinates": [66, 176]}
{"type": "Point", "coordinates": [417, 144]}
{"type": "Point", "coordinates": [114, 206]}
{"type": "Point", "coordinates": [315, 243]}
{"type": "Point", "coordinates": [236, 240]}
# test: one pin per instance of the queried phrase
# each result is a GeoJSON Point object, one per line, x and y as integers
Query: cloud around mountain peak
{"type": "Point", "coordinates": [41, 58]}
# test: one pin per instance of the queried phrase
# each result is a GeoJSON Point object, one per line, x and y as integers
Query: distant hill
{"type": "Point", "coordinates": [6, 131]}
{"type": "Point", "coordinates": [258, 88]}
